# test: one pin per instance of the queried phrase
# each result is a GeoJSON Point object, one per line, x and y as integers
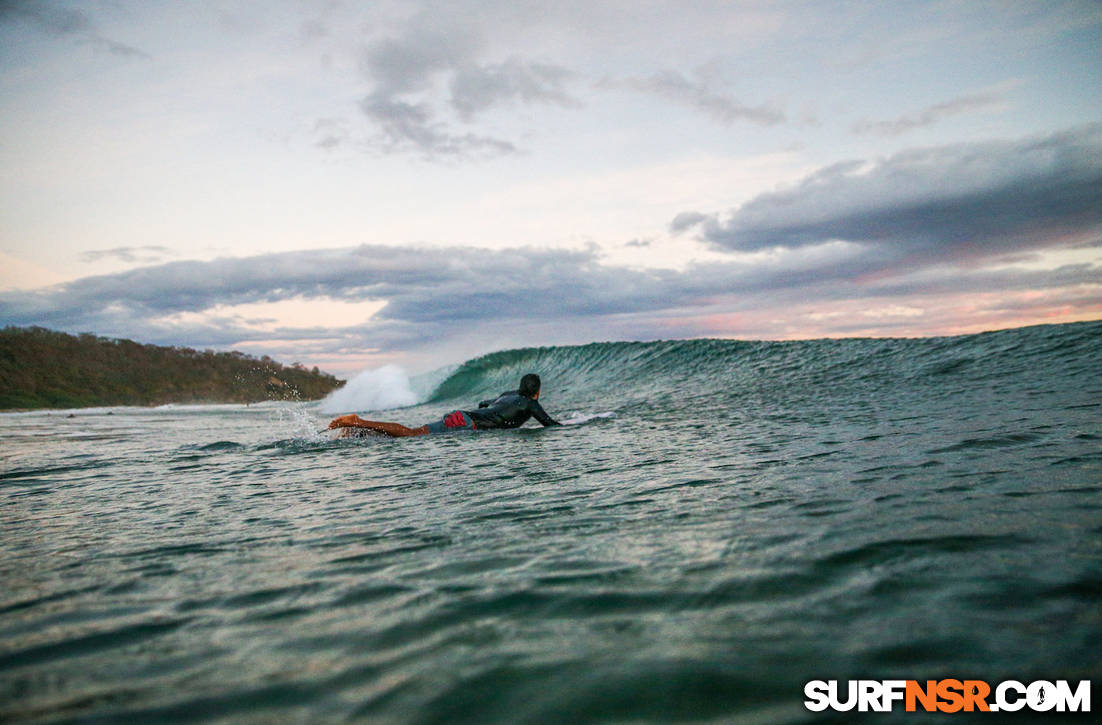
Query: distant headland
{"type": "Point", "coordinates": [41, 368]}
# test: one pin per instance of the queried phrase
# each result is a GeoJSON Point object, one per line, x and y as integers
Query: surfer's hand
{"type": "Point", "coordinates": [345, 421]}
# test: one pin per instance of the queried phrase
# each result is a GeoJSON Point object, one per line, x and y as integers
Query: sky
{"type": "Point", "coordinates": [350, 184]}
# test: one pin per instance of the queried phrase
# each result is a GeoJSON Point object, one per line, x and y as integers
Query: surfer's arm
{"type": "Point", "coordinates": [348, 421]}
{"type": "Point", "coordinates": [541, 415]}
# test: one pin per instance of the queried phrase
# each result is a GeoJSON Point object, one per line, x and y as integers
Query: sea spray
{"type": "Point", "coordinates": [297, 421]}
{"type": "Point", "coordinates": [424, 385]}
{"type": "Point", "coordinates": [377, 389]}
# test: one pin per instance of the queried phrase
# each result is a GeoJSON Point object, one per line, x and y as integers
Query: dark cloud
{"type": "Point", "coordinates": [45, 16]}
{"type": "Point", "coordinates": [676, 87]}
{"type": "Point", "coordinates": [431, 294]}
{"type": "Point", "coordinates": [420, 284]}
{"type": "Point", "coordinates": [959, 203]}
{"type": "Point", "coordinates": [61, 21]}
{"type": "Point", "coordinates": [929, 116]}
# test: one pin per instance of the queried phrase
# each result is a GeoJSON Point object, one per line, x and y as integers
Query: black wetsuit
{"type": "Point", "coordinates": [509, 410]}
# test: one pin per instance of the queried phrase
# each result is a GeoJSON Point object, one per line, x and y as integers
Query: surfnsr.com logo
{"type": "Point", "coordinates": [948, 696]}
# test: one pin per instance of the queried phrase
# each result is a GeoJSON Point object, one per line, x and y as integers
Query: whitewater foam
{"type": "Point", "coordinates": [577, 418]}
{"type": "Point", "coordinates": [376, 389]}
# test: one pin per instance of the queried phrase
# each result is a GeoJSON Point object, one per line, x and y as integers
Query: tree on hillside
{"type": "Point", "coordinates": [41, 368]}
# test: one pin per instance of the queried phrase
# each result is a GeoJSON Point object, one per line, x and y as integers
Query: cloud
{"type": "Point", "coordinates": [411, 127]}
{"type": "Point", "coordinates": [676, 87]}
{"type": "Point", "coordinates": [959, 203]}
{"type": "Point", "coordinates": [434, 296]}
{"type": "Point", "coordinates": [685, 221]}
{"type": "Point", "coordinates": [983, 100]}
{"type": "Point", "coordinates": [419, 73]}
{"type": "Point", "coordinates": [477, 88]}
{"type": "Point", "coordinates": [420, 285]}
{"type": "Point", "coordinates": [145, 254]}
{"type": "Point", "coordinates": [63, 22]}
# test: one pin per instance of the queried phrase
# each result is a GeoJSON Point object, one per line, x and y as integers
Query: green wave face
{"type": "Point", "coordinates": [625, 373]}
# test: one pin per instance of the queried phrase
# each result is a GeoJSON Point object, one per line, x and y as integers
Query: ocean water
{"type": "Point", "coordinates": [727, 521]}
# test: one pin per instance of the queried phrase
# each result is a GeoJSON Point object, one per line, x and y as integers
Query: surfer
{"type": "Point", "coordinates": [508, 410]}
